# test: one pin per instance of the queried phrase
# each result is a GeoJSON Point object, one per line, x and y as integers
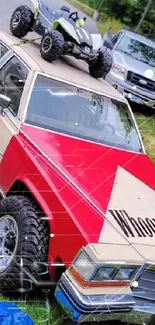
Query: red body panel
{"type": "Point", "coordinates": [74, 221]}
{"type": "Point", "coordinates": [91, 166]}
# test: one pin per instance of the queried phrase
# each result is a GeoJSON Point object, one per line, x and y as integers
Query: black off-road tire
{"type": "Point", "coordinates": [31, 248]}
{"type": "Point", "coordinates": [25, 21]}
{"type": "Point", "coordinates": [102, 66]}
{"type": "Point", "coordinates": [52, 46]}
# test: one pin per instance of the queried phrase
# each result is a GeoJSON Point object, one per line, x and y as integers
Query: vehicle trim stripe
{"type": "Point", "coordinates": [80, 139]}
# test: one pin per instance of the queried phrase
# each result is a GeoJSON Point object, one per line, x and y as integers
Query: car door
{"type": "Point", "coordinates": [13, 76]}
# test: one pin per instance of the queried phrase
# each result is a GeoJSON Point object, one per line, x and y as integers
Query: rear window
{"type": "Point", "coordinates": [70, 110]}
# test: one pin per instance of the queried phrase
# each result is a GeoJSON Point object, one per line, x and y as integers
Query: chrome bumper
{"type": "Point", "coordinates": [124, 308]}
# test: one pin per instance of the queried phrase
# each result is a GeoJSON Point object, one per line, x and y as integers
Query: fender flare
{"type": "Point", "coordinates": [35, 4]}
{"type": "Point", "coordinates": [37, 197]}
{"type": "Point", "coordinates": [67, 27]}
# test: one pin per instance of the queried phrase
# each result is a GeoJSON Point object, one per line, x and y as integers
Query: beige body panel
{"type": "Point", "coordinates": [9, 124]}
{"type": "Point", "coordinates": [68, 69]}
{"type": "Point", "coordinates": [131, 195]}
{"type": "Point", "coordinates": [9, 40]}
{"type": "Point", "coordinates": [98, 291]}
{"type": "Point", "coordinates": [8, 128]}
{"type": "Point", "coordinates": [118, 253]}
{"type": "Point", "coordinates": [148, 252]}
{"type": "Point", "coordinates": [135, 204]}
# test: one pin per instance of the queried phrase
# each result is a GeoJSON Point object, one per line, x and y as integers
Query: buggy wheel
{"type": "Point", "coordinates": [102, 66]}
{"type": "Point", "coordinates": [24, 244]}
{"type": "Point", "coordinates": [21, 21]}
{"type": "Point", "coordinates": [52, 46]}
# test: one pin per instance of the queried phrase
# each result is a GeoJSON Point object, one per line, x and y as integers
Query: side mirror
{"type": "Point", "coordinates": [4, 103]}
{"type": "Point", "coordinates": [108, 44]}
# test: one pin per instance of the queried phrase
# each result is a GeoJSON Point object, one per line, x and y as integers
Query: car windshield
{"type": "Point", "coordinates": [72, 111]}
{"type": "Point", "coordinates": [138, 50]}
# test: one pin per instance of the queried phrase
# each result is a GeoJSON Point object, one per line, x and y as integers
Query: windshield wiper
{"type": "Point", "coordinates": [146, 62]}
{"type": "Point", "coordinates": [125, 52]}
{"type": "Point", "coordinates": [151, 64]}
{"type": "Point", "coordinates": [140, 60]}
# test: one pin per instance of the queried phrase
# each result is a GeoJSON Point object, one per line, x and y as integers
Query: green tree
{"type": "Point", "coordinates": [145, 12]}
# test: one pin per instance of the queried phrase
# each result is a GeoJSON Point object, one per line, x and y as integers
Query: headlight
{"type": "Point", "coordinates": [84, 266]}
{"type": "Point", "coordinates": [118, 70]}
{"type": "Point", "coordinates": [104, 274]}
{"type": "Point", "coordinates": [90, 273]}
{"type": "Point", "coordinates": [114, 274]}
{"type": "Point", "coordinates": [125, 274]}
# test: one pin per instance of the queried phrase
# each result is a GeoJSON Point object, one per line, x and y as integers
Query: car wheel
{"type": "Point", "coordinates": [21, 21]}
{"type": "Point", "coordinates": [24, 237]}
{"type": "Point", "coordinates": [52, 46]}
{"type": "Point", "coordinates": [102, 66]}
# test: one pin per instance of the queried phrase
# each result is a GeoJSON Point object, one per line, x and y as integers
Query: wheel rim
{"type": "Point", "coordinates": [46, 44]}
{"type": "Point", "coordinates": [8, 241]}
{"type": "Point", "coordinates": [16, 19]}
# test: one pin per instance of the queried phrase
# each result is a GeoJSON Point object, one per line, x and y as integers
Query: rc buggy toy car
{"type": "Point", "coordinates": [62, 33]}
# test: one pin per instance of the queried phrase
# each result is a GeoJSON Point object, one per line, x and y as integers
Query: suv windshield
{"type": "Point", "coordinates": [70, 110]}
{"type": "Point", "coordinates": [138, 50]}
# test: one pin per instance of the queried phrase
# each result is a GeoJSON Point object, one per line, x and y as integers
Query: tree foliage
{"type": "Point", "coordinates": [129, 12]}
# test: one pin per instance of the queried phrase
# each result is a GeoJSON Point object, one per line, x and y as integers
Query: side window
{"type": "Point", "coordinates": [13, 76]}
{"type": "Point", "coordinates": [116, 38]}
{"type": "Point", "coordinates": [3, 50]}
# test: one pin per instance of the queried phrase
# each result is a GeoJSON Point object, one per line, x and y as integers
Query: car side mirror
{"type": "Point", "coordinates": [4, 103]}
{"type": "Point", "coordinates": [108, 44]}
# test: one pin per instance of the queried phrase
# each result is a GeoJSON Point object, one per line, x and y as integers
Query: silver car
{"type": "Point", "coordinates": [133, 70]}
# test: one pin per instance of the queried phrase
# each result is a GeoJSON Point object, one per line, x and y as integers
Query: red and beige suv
{"type": "Point", "coordinates": [77, 189]}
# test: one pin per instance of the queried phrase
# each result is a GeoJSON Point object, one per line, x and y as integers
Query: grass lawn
{"type": "Point", "coordinates": [42, 311]}
{"type": "Point", "coordinates": [146, 126]}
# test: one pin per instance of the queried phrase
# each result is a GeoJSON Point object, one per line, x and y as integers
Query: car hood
{"type": "Point", "coordinates": [118, 184]}
{"type": "Point", "coordinates": [134, 65]}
